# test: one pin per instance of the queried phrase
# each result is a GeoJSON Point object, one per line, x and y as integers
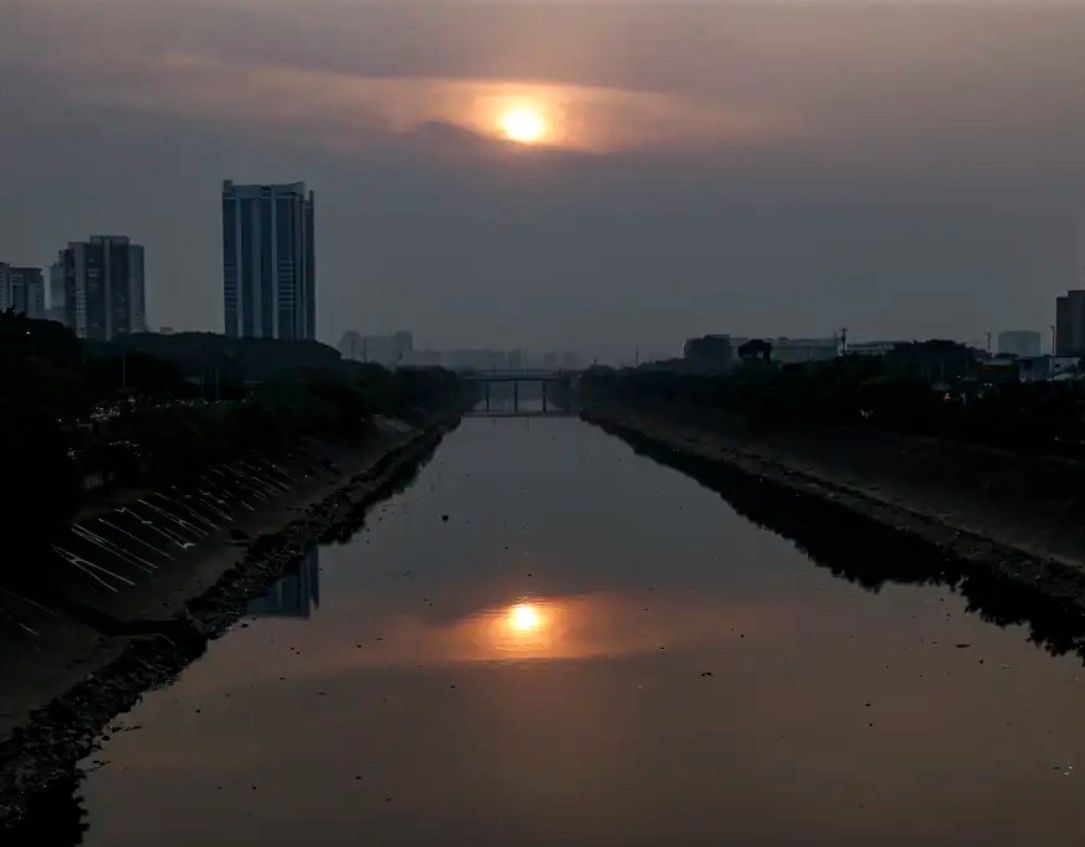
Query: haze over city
{"type": "Point", "coordinates": [550, 423]}
{"type": "Point", "coordinates": [591, 176]}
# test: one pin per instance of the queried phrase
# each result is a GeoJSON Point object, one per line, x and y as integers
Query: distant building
{"type": "Point", "coordinates": [709, 352]}
{"type": "Point", "coordinates": [386, 350]}
{"type": "Point", "coordinates": [1037, 368]}
{"type": "Point", "coordinates": [515, 360]}
{"type": "Point", "coordinates": [101, 289]}
{"type": "Point", "coordinates": [268, 261]}
{"type": "Point", "coordinates": [22, 290]}
{"type": "Point", "coordinates": [1019, 342]}
{"type": "Point", "coordinates": [794, 351]}
{"type": "Point", "coordinates": [872, 348]}
{"type": "Point", "coordinates": [570, 361]}
{"type": "Point", "coordinates": [998, 369]}
{"type": "Point", "coordinates": [1070, 325]}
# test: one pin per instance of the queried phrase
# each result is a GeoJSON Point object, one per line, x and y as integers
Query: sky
{"type": "Point", "coordinates": [762, 167]}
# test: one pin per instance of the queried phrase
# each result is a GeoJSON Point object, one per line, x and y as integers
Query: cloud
{"type": "Point", "coordinates": [754, 167]}
{"type": "Point", "coordinates": [348, 111]}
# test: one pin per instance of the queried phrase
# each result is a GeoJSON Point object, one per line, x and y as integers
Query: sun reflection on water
{"type": "Point", "coordinates": [524, 629]}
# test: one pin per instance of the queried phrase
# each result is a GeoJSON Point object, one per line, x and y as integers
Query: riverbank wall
{"type": "Point", "coordinates": [79, 669]}
{"type": "Point", "coordinates": [1013, 517]}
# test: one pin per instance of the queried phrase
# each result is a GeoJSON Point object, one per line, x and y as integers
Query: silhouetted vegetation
{"type": "Point", "coordinates": [78, 416]}
{"type": "Point", "coordinates": [923, 389]}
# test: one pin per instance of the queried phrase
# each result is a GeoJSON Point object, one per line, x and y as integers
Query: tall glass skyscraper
{"type": "Point", "coordinates": [268, 262]}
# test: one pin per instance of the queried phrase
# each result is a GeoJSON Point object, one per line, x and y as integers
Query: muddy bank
{"type": "Point", "coordinates": [44, 748]}
{"type": "Point", "coordinates": [871, 529]}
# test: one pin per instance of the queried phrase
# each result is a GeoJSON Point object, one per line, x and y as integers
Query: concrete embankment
{"type": "Point", "coordinates": [89, 656]}
{"type": "Point", "coordinates": [1010, 516]}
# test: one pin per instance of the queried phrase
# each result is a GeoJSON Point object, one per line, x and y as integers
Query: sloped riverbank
{"type": "Point", "coordinates": [933, 496]}
{"type": "Point", "coordinates": [69, 683]}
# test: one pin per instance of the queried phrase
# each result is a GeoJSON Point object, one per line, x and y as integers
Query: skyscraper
{"type": "Point", "coordinates": [101, 287]}
{"type": "Point", "coordinates": [1070, 324]}
{"type": "Point", "coordinates": [268, 262]}
{"type": "Point", "coordinates": [22, 290]}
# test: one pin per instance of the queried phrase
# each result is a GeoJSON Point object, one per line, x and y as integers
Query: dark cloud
{"type": "Point", "coordinates": [906, 170]}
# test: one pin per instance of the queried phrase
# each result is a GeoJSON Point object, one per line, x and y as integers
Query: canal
{"type": "Point", "coordinates": [548, 639]}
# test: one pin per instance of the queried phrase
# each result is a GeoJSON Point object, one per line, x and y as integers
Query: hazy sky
{"type": "Point", "coordinates": [906, 170]}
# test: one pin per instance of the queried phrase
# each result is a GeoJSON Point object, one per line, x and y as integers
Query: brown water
{"type": "Point", "coordinates": [594, 650]}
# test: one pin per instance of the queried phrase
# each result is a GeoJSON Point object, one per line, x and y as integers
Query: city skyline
{"type": "Point", "coordinates": [786, 185]}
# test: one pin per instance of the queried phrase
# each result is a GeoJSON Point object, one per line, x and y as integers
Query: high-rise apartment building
{"type": "Point", "coordinates": [268, 267]}
{"type": "Point", "coordinates": [22, 290]}
{"type": "Point", "coordinates": [99, 285]}
{"type": "Point", "coordinates": [1070, 324]}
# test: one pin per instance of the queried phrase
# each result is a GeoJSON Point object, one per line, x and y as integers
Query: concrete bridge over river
{"type": "Point", "coordinates": [556, 387]}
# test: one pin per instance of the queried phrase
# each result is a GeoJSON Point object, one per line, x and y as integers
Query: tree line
{"type": "Point", "coordinates": [890, 392]}
{"type": "Point", "coordinates": [77, 415]}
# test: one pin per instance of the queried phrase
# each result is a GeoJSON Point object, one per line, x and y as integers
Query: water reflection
{"type": "Point", "coordinates": [869, 555]}
{"type": "Point", "coordinates": [296, 594]}
{"type": "Point", "coordinates": [502, 657]}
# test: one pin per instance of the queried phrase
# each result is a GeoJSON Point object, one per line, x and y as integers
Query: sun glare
{"type": "Point", "coordinates": [524, 618]}
{"type": "Point", "coordinates": [523, 125]}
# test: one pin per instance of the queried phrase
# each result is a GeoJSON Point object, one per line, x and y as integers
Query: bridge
{"type": "Point", "coordinates": [545, 379]}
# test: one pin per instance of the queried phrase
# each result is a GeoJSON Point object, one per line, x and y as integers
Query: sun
{"type": "Point", "coordinates": [524, 618]}
{"type": "Point", "coordinates": [524, 125]}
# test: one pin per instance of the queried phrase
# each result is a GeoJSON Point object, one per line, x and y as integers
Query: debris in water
{"type": "Point", "coordinates": [963, 645]}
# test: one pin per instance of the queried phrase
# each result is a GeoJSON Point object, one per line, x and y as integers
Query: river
{"type": "Point", "coordinates": [548, 639]}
